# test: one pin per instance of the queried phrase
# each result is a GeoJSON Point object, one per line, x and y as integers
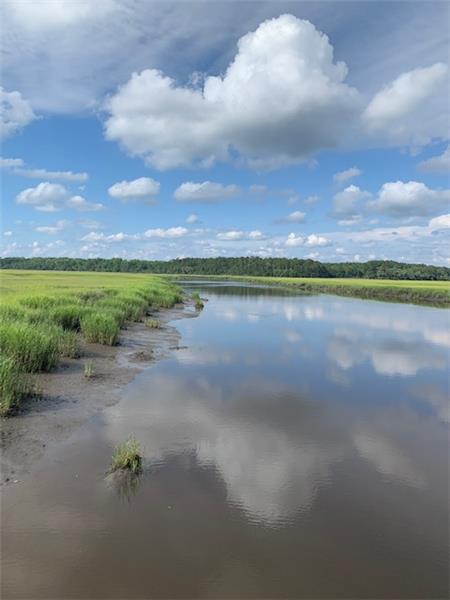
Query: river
{"type": "Point", "coordinates": [295, 447]}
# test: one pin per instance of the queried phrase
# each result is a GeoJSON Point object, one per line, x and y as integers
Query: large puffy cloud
{"type": "Point", "coordinates": [392, 112]}
{"type": "Point", "coordinates": [15, 113]}
{"type": "Point", "coordinates": [437, 164]}
{"type": "Point", "coordinates": [281, 98]}
{"type": "Point", "coordinates": [409, 199]}
{"type": "Point", "coordinates": [141, 188]}
{"type": "Point", "coordinates": [206, 191]}
{"type": "Point", "coordinates": [53, 197]}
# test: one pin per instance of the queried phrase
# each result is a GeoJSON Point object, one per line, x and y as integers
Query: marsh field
{"type": "Point", "coordinates": [283, 443]}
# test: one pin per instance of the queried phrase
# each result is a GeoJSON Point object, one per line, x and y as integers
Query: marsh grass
{"type": "Point", "coordinates": [37, 329]}
{"type": "Point", "coordinates": [89, 369]}
{"type": "Point", "coordinates": [197, 301]}
{"type": "Point", "coordinates": [14, 385]}
{"type": "Point", "coordinates": [152, 323]}
{"type": "Point", "coordinates": [32, 347]}
{"type": "Point", "coordinates": [127, 456]}
{"type": "Point", "coordinates": [100, 327]}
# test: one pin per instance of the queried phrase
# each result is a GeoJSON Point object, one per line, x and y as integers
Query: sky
{"type": "Point", "coordinates": [157, 130]}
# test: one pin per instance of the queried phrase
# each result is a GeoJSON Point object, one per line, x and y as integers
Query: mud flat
{"type": "Point", "coordinates": [68, 399]}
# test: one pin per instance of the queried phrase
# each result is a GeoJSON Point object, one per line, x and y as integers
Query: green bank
{"type": "Point", "coordinates": [45, 315]}
{"type": "Point", "coordinates": [433, 293]}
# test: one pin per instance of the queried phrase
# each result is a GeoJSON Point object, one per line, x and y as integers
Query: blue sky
{"type": "Point", "coordinates": [159, 130]}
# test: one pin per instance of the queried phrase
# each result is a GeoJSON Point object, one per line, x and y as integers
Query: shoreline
{"type": "Point", "coordinates": [68, 399]}
{"type": "Point", "coordinates": [421, 293]}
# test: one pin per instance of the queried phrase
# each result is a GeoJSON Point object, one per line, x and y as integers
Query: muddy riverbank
{"type": "Point", "coordinates": [67, 399]}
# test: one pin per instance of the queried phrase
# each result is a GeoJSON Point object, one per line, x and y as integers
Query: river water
{"type": "Point", "coordinates": [295, 447]}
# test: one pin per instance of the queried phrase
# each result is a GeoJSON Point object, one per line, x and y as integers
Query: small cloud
{"type": "Point", "coordinates": [310, 240]}
{"type": "Point", "coordinates": [79, 203]}
{"type": "Point", "coordinates": [16, 113]}
{"type": "Point", "coordinates": [52, 175]}
{"type": "Point", "coordinates": [52, 229]}
{"type": "Point", "coordinates": [294, 217]}
{"type": "Point", "coordinates": [258, 189]}
{"type": "Point", "coordinates": [235, 235]}
{"type": "Point", "coordinates": [8, 163]}
{"type": "Point", "coordinates": [206, 191]}
{"type": "Point", "coordinates": [310, 200]}
{"type": "Point", "coordinates": [191, 219]}
{"type": "Point", "coordinates": [437, 164]}
{"type": "Point", "coordinates": [343, 176]}
{"type": "Point", "coordinates": [171, 232]}
{"type": "Point", "coordinates": [138, 189]}
{"type": "Point", "coordinates": [54, 197]}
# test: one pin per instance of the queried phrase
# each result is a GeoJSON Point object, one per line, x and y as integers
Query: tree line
{"type": "Point", "coordinates": [254, 266]}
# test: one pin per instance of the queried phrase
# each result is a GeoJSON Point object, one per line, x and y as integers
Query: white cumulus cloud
{"type": "Point", "coordinates": [343, 176]}
{"type": "Point", "coordinates": [310, 240]}
{"type": "Point", "coordinates": [7, 163]}
{"type": "Point", "coordinates": [437, 164]}
{"type": "Point", "coordinates": [235, 235]}
{"type": "Point", "coordinates": [441, 222]}
{"type": "Point", "coordinates": [54, 197]}
{"type": "Point", "coordinates": [393, 111]}
{"type": "Point", "coordinates": [52, 175]}
{"type": "Point", "coordinates": [141, 188]}
{"type": "Point", "coordinates": [409, 199]}
{"type": "Point", "coordinates": [206, 191]}
{"type": "Point", "coordinates": [15, 113]}
{"type": "Point", "coordinates": [52, 229]}
{"type": "Point", "coordinates": [346, 204]}
{"type": "Point", "coordinates": [281, 98]}
{"type": "Point", "coordinates": [171, 232]}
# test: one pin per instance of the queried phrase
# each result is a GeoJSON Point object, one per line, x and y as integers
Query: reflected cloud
{"type": "Point", "coordinates": [386, 458]}
{"type": "Point", "coordinates": [387, 356]}
{"type": "Point", "coordinates": [437, 399]}
{"type": "Point", "coordinates": [262, 446]}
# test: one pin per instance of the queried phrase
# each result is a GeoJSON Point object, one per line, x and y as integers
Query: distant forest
{"type": "Point", "coordinates": [254, 266]}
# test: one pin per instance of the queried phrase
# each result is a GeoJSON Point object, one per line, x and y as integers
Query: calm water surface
{"type": "Point", "coordinates": [296, 447]}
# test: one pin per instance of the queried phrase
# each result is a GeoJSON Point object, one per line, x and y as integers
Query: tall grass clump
{"type": "Point", "coordinates": [127, 456]}
{"type": "Point", "coordinates": [89, 369]}
{"type": "Point", "coordinates": [152, 323]}
{"type": "Point", "coordinates": [32, 347]}
{"type": "Point", "coordinates": [197, 301]}
{"type": "Point", "coordinates": [14, 385]}
{"type": "Point", "coordinates": [100, 327]}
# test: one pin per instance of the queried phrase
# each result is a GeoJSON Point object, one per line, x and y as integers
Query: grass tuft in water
{"type": "Point", "coordinates": [89, 369]}
{"type": "Point", "coordinates": [127, 456]}
{"type": "Point", "coordinates": [198, 301]}
{"type": "Point", "coordinates": [152, 323]}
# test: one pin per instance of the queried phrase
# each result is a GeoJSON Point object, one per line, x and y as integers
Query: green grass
{"type": "Point", "coordinates": [197, 301]}
{"type": "Point", "coordinates": [14, 385]}
{"type": "Point", "coordinates": [152, 323]}
{"type": "Point", "coordinates": [127, 456]}
{"type": "Point", "coordinates": [88, 369]}
{"type": "Point", "coordinates": [44, 315]}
